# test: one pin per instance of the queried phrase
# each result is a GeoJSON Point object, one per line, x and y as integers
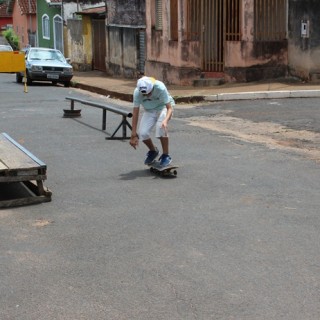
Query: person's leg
{"type": "Point", "coordinates": [165, 158]}
{"type": "Point", "coordinates": [149, 144]}
{"type": "Point", "coordinates": [148, 121]}
{"type": "Point", "coordinates": [165, 145]}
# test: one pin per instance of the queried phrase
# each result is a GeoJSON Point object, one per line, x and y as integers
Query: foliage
{"type": "Point", "coordinates": [12, 38]}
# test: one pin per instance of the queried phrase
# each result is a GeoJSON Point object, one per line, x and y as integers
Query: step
{"type": "Point", "coordinates": [208, 82]}
{"type": "Point", "coordinates": [315, 77]}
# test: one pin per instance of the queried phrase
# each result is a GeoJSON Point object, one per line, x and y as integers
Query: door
{"type": "Point", "coordinates": [99, 44]}
{"type": "Point", "coordinates": [212, 36]}
{"type": "Point", "coordinates": [58, 33]}
{"type": "Point", "coordinates": [212, 22]}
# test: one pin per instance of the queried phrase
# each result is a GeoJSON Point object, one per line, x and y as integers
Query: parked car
{"type": "Point", "coordinates": [43, 64]}
{"type": "Point", "coordinates": [5, 47]}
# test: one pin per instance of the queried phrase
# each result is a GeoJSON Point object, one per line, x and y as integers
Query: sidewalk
{"type": "Point", "coordinates": [98, 82]}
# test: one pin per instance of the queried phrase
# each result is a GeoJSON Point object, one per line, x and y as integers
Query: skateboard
{"type": "Point", "coordinates": [170, 170]}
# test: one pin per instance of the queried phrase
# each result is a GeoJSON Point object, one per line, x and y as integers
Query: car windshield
{"type": "Point", "coordinates": [46, 55]}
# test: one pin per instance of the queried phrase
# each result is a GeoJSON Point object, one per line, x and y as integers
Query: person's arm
{"type": "Point", "coordinates": [164, 124]}
{"type": "Point", "coordinates": [134, 140]}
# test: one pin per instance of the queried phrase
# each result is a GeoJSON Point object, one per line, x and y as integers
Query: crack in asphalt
{"type": "Point", "coordinates": [272, 135]}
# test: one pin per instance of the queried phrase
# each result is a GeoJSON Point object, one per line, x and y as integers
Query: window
{"type": "Point", "coordinates": [174, 19]}
{"type": "Point", "coordinates": [233, 20]}
{"type": "Point", "coordinates": [193, 20]}
{"type": "Point", "coordinates": [158, 15]}
{"type": "Point", "coordinates": [270, 20]}
{"type": "Point", "coordinates": [45, 27]}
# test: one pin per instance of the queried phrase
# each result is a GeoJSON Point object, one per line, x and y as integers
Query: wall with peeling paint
{"type": "Point", "coordinates": [78, 33]}
{"type": "Point", "coordinates": [79, 43]}
{"type": "Point", "coordinates": [171, 61]}
{"type": "Point", "coordinates": [304, 50]}
{"type": "Point", "coordinates": [126, 18]}
{"type": "Point", "coordinates": [250, 60]}
{"type": "Point", "coordinates": [179, 62]}
{"type": "Point", "coordinates": [71, 6]}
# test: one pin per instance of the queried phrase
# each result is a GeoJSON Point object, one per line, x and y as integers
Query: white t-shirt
{"type": "Point", "coordinates": [156, 101]}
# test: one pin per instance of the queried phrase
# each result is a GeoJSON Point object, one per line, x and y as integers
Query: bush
{"type": "Point", "coordinates": [12, 38]}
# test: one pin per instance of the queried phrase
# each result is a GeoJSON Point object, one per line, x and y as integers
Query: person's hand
{"type": "Point", "coordinates": [164, 126]}
{"type": "Point", "coordinates": [134, 141]}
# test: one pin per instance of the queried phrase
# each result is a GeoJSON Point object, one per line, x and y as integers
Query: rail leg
{"type": "Point", "coordinates": [104, 119]}
{"type": "Point", "coordinates": [124, 123]}
{"type": "Point", "coordinates": [124, 127]}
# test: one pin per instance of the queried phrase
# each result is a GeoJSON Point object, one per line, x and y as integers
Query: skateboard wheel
{"type": "Point", "coordinates": [175, 172]}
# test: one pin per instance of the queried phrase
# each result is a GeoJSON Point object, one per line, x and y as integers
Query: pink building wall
{"type": "Point", "coordinates": [22, 23]}
{"type": "Point", "coordinates": [179, 61]}
{"type": "Point", "coordinates": [168, 60]}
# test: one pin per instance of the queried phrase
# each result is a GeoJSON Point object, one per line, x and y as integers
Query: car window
{"type": "Point", "coordinates": [5, 48]}
{"type": "Point", "coordinates": [60, 56]}
{"type": "Point", "coordinates": [46, 55]}
{"type": "Point", "coordinates": [34, 55]}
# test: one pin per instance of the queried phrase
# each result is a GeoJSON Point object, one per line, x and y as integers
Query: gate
{"type": "Point", "coordinates": [212, 22]}
{"type": "Point", "coordinates": [99, 44]}
{"type": "Point", "coordinates": [212, 36]}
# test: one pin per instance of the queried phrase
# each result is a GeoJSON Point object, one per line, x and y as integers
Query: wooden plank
{"type": "Point", "coordinates": [24, 201]}
{"type": "Point", "coordinates": [2, 166]}
{"type": "Point", "coordinates": [23, 149]}
{"type": "Point", "coordinates": [19, 194]}
{"type": "Point", "coordinates": [21, 178]}
{"type": "Point", "coordinates": [15, 156]}
{"type": "Point", "coordinates": [12, 157]}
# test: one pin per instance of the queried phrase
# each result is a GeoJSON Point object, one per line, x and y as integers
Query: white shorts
{"type": "Point", "coordinates": [149, 120]}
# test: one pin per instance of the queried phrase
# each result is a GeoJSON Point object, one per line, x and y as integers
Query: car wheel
{"type": "Point", "coordinates": [67, 84]}
{"type": "Point", "coordinates": [19, 78]}
{"type": "Point", "coordinates": [54, 82]}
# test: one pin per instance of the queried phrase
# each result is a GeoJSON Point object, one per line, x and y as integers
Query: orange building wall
{"type": "Point", "coordinates": [22, 23]}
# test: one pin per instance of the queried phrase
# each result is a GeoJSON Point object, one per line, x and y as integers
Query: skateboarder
{"type": "Point", "coordinates": [158, 105]}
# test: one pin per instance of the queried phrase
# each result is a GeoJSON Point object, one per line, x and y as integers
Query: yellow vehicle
{"type": "Point", "coordinates": [12, 61]}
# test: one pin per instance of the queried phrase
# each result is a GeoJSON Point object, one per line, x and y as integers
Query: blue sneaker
{"type": "Point", "coordinates": [151, 156]}
{"type": "Point", "coordinates": [165, 160]}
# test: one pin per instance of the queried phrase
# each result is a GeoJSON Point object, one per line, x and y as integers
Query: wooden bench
{"type": "Point", "coordinates": [21, 175]}
{"type": "Point", "coordinates": [72, 112]}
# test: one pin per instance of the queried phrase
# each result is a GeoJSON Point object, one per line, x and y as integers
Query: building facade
{"type": "Point", "coordinates": [50, 24]}
{"type": "Point", "coordinates": [237, 40]}
{"type": "Point", "coordinates": [24, 20]}
{"type": "Point", "coordinates": [304, 39]}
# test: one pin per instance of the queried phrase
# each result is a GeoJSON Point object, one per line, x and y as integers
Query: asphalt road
{"type": "Point", "coordinates": [234, 236]}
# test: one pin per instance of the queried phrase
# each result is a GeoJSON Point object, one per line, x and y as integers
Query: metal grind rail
{"type": "Point", "coordinates": [124, 122]}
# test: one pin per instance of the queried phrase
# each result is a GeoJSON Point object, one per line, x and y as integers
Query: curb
{"type": "Point", "coordinates": [112, 94]}
{"type": "Point", "coordinates": [264, 95]}
{"type": "Point", "coordinates": [256, 95]}
{"type": "Point", "coordinates": [129, 97]}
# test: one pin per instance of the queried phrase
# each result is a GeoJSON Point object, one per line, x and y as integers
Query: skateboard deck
{"type": "Point", "coordinates": [170, 170]}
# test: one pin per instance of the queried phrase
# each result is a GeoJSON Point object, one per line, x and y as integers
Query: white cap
{"type": "Point", "coordinates": [145, 85]}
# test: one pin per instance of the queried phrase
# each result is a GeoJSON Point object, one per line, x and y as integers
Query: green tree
{"type": "Point", "coordinates": [12, 38]}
